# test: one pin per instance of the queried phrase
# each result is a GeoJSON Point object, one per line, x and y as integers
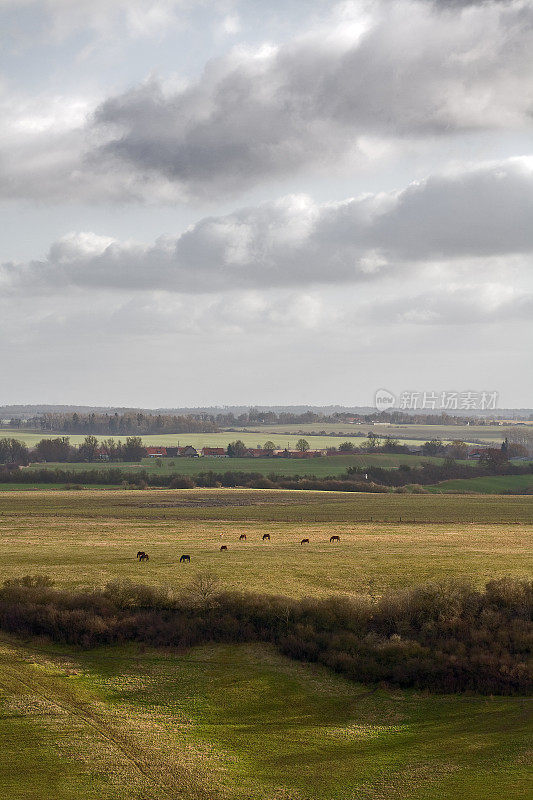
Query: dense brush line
{"type": "Point", "coordinates": [377, 479]}
{"type": "Point", "coordinates": [448, 637]}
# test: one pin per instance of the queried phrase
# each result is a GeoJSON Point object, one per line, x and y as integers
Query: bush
{"type": "Point", "coordinates": [447, 637]}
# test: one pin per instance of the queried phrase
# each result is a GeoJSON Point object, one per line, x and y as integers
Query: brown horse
{"type": "Point", "coordinates": [242, 537]}
{"type": "Point", "coordinates": [224, 547]}
{"type": "Point", "coordinates": [144, 557]}
{"type": "Point", "coordinates": [334, 538]}
{"type": "Point", "coordinates": [266, 536]}
{"type": "Point", "coordinates": [304, 541]}
{"type": "Point", "coordinates": [185, 558]}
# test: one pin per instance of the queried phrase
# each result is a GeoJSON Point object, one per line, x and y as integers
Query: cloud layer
{"type": "Point", "coordinates": [383, 70]}
{"type": "Point", "coordinates": [477, 213]}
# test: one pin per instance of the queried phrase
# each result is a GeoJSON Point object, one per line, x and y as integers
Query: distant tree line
{"type": "Point", "coordinates": [257, 417]}
{"type": "Point", "coordinates": [130, 422]}
{"type": "Point", "coordinates": [356, 479]}
{"type": "Point", "coordinates": [15, 453]}
{"type": "Point", "coordinates": [449, 637]}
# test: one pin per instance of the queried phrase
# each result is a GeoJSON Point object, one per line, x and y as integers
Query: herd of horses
{"type": "Point", "coordinates": [185, 558]}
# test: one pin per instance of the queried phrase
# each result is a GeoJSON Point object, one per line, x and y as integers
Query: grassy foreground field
{"type": "Point", "coordinates": [240, 722]}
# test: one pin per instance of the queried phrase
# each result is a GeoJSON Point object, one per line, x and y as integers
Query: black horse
{"type": "Point", "coordinates": [266, 536]}
{"type": "Point", "coordinates": [223, 547]}
{"type": "Point", "coordinates": [242, 537]}
{"type": "Point", "coordinates": [185, 558]}
{"type": "Point", "coordinates": [304, 541]}
{"type": "Point", "coordinates": [140, 553]}
{"type": "Point", "coordinates": [334, 538]}
{"type": "Point", "coordinates": [144, 557]}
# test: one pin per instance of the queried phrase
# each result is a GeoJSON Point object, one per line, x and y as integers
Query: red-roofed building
{"type": "Point", "coordinates": [155, 452]}
{"type": "Point", "coordinates": [218, 452]}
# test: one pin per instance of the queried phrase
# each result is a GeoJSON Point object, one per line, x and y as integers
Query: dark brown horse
{"type": "Point", "coordinates": [185, 558]}
{"type": "Point", "coordinates": [242, 537]}
{"type": "Point", "coordinates": [304, 541]}
{"type": "Point", "coordinates": [144, 557]}
{"type": "Point", "coordinates": [224, 547]}
{"type": "Point", "coordinates": [334, 538]}
{"type": "Point", "coordinates": [140, 553]}
{"type": "Point", "coordinates": [266, 536]}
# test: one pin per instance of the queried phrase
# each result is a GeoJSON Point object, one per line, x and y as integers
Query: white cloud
{"type": "Point", "coordinates": [473, 216]}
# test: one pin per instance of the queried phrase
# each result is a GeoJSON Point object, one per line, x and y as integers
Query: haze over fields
{"type": "Point", "coordinates": [240, 202]}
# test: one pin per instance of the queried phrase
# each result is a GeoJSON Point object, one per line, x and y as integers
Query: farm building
{"type": "Point", "coordinates": [189, 451]}
{"type": "Point", "coordinates": [156, 452]}
{"type": "Point", "coordinates": [217, 452]}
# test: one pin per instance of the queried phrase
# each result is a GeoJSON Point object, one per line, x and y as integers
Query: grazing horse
{"type": "Point", "coordinates": [224, 547]}
{"type": "Point", "coordinates": [185, 558]}
{"type": "Point", "coordinates": [140, 553]}
{"type": "Point", "coordinates": [242, 537]}
{"type": "Point", "coordinates": [144, 557]}
{"type": "Point", "coordinates": [304, 541]}
{"type": "Point", "coordinates": [266, 536]}
{"type": "Point", "coordinates": [334, 538]}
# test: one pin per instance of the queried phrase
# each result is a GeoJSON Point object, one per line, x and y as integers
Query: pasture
{"type": "Point", "coordinates": [489, 484]}
{"type": "Point", "coordinates": [91, 537]}
{"type": "Point", "coordinates": [319, 467]}
{"type": "Point", "coordinates": [234, 722]}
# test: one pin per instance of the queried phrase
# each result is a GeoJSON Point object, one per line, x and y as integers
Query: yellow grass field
{"type": "Point", "coordinates": [91, 537]}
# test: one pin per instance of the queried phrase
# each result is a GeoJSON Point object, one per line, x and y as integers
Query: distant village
{"type": "Point", "coordinates": [220, 452]}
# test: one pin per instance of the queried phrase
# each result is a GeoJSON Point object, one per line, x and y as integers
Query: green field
{"type": "Point", "coordinates": [490, 484]}
{"type": "Point", "coordinates": [321, 466]}
{"type": "Point", "coordinates": [241, 722]}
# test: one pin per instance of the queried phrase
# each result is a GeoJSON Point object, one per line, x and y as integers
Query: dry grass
{"type": "Point", "coordinates": [92, 538]}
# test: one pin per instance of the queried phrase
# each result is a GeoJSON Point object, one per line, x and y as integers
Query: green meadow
{"type": "Point", "coordinates": [490, 484]}
{"type": "Point", "coordinates": [240, 722]}
{"type": "Point", "coordinates": [318, 466]}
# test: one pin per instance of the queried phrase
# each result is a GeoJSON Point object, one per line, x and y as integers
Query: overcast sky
{"type": "Point", "coordinates": [250, 202]}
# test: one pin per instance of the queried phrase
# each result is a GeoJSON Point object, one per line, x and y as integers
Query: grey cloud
{"type": "Point", "coordinates": [410, 70]}
{"type": "Point", "coordinates": [473, 214]}
{"type": "Point", "coordinates": [387, 70]}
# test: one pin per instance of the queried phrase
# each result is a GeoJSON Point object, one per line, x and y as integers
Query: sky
{"type": "Point", "coordinates": [239, 202]}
